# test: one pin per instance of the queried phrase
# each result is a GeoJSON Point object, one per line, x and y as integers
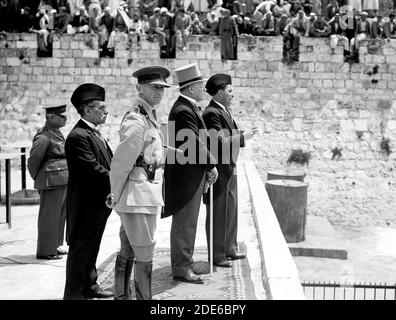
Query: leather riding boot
{"type": "Point", "coordinates": [122, 277]}
{"type": "Point", "coordinates": [143, 280]}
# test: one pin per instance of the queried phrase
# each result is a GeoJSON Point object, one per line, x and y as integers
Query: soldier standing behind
{"type": "Point", "coordinates": [47, 166]}
{"type": "Point", "coordinates": [136, 184]}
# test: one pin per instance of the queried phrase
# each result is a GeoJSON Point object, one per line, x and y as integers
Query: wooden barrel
{"type": "Point", "coordinates": [297, 175]}
{"type": "Point", "coordinates": [289, 201]}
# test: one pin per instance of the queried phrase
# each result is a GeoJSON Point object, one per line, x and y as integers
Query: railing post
{"type": "Point", "coordinates": [8, 191]}
{"type": "Point", "coordinates": [23, 167]}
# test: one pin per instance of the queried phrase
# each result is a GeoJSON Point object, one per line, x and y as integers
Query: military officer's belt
{"type": "Point", "coordinates": [149, 168]}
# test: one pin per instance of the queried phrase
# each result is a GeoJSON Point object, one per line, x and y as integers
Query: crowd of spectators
{"type": "Point", "coordinates": [345, 22]}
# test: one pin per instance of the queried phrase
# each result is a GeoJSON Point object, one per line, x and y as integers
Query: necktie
{"type": "Point", "coordinates": [155, 114]}
{"type": "Point", "coordinates": [97, 132]}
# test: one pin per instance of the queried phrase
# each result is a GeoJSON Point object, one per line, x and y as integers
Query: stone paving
{"type": "Point", "coordinates": [23, 277]}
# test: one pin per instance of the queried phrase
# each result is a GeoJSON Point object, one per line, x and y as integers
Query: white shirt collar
{"type": "Point", "coordinates": [190, 99]}
{"type": "Point", "coordinates": [91, 125]}
{"type": "Point", "coordinates": [224, 108]}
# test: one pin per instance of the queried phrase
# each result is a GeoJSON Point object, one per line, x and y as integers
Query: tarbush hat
{"type": "Point", "coordinates": [87, 92]}
{"type": "Point", "coordinates": [216, 81]}
{"type": "Point", "coordinates": [153, 75]}
{"type": "Point", "coordinates": [188, 75]}
{"type": "Point", "coordinates": [57, 109]}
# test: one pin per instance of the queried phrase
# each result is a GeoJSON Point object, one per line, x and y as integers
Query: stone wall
{"type": "Point", "coordinates": [316, 105]}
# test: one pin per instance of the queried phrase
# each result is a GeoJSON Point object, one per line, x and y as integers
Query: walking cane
{"type": "Point", "coordinates": [211, 228]}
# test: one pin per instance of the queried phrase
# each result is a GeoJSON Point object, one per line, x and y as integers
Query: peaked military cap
{"type": "Point", "coordinates": [58, 109]}
{"type": "Point", "coordinates": [216, 81]}
{"type": "Point", "coordinates": [87, 92]}
{"type": "Point", "coordinates": [153, 75]}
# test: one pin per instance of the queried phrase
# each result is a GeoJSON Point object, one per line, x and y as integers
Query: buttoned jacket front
{"type": "Point", "coordinates": [139, 135]}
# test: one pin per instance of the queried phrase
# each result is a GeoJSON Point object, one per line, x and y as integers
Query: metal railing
{"type": "Point", "coordinates": [348, 291]}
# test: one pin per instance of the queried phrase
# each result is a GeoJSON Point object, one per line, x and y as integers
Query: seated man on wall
{"type": "Point", "coordinates": [337, 35]}
{"type": "Point", "coordinates": [389, 26]}
{"type": "Point", "coordinates": [211, 24]}
{"type": "Point", "coordinates": [105, 30]}
{"type": "Point", "coordinates": [156, 28]}
{"type": "Point", "coordinates": [62, 19]}
{"type": "Point", "coordinates": [79, 23]}
{"type": "Point", "coordinates": [183, 25]}
{"type": "Point", "coordinates": [298, 27]}
{"type": "Point", "coordinates": [267, 25]}
{"type": "Point", "coordinates": [363, 31]}
{"type": "Point", "coordinates": [320, 28]}
{"type": "Point", "coordinates": [311, 20]}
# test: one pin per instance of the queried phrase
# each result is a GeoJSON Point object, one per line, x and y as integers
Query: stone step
{"type": "Point", "coordinates": [321, 241]}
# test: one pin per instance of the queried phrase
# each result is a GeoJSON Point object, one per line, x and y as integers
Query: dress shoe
{"type": "Point", "coordinates": [201, 269]}
{"type": "Point", "coordinates": [61, 252]}
{"type": "Point", "coordinates": [236, 256]}
{"type": "Point", "coordinates": [101, 294]}
{"type": "Point", "coordinates": [190, 277]}
{"type": "Point", "coordinates": [223, 264]}
{"type": "Point", "coordinates": [50, 257]}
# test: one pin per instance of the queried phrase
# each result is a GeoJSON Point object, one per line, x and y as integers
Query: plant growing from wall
{"type": "Point", "coordinates": [336, 153]}
{"type": "Point", "coordinates": [385, 145]}
{"type": "Point", "coordinates": [359, 134]}
{"type": "Point", "coordinates": [299, 157]}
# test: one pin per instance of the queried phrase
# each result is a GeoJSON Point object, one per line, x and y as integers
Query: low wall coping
{"type": "Point", "coordinates": [280, 275]}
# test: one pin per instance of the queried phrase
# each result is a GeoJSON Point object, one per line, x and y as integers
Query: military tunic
{"type": "Point", "coordinates": [48, 145]}
{"type": "Point", "coordinates": [138, 200]}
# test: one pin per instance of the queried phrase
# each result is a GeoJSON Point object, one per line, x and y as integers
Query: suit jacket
{"type": "Point", "coordinates": [139, 135]}
{"type": "Point", "coordinates": [48, 146]}
{"type": "Point", "coordinates": [88, 160]}
{"type": "Point", "coordinates": [228, 139]}
{"type": "Point", "coordinates": [182, 180]}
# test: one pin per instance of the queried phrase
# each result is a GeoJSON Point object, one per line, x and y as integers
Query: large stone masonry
{"type": "Point", "coordinates": [316, 104]}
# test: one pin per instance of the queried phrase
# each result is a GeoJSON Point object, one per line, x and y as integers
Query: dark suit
{"type": "Point", "coordinates": [88, 160]}
{"type": "Point", "coordinates": [184, 184]}
{"type": "Point", "coordinates": [225, 194]}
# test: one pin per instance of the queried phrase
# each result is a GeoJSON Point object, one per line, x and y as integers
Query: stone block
{"type": "Point", "coordinates": [13, 61]}
{"type": "Point", "coordinates": [53, 62]}
{"type": "Point", "coordinates": [90, 53]}
{"type": "Point", "coordinates": [26, 44]}
{"type": "Point", "coordinates": [68, 62]}
{"type": "Point", "coordinates": [59, 53]}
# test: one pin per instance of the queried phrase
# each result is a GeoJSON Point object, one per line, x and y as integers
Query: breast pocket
{"type": "Point", "coordinates": [142, 193]}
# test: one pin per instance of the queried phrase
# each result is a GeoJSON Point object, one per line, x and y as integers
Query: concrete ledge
{"type": "Point", "coordinates": [280, 275]}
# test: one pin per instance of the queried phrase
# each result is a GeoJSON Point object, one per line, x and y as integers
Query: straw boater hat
{"type": "Point", "coordinates": [188, 75]}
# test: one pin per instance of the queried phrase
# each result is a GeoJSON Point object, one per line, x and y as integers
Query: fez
{"type": "Point", "coordinates": [87, 92]}
{"type": "Point", "coordinates": [58, 109]}
{"type": "Point", "coordinates": [216, 81]}
{"type": "Point", "coordinates": [153, 75]}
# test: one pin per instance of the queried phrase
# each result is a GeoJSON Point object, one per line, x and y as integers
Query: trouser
{"type": "Point", "coordinates": [137, 239]}
{"type": "Point", "coordinates": [335, 38]}
{"type": "Point", "coordinates": [183, 233]}
{"type": "Point", "coordinates": [51, 221]}
{"type": "Point", "coordinates": [225, 223]}
{"type": "Point", "coordinates": [81, 274]}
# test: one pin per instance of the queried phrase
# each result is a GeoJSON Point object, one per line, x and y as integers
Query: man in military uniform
{"type": "Point", "coordinates": [88, 158]}
{"type": "Point", "coordinates": [47, 167]}
{"type": "Point", "coordinates": [136, 184]}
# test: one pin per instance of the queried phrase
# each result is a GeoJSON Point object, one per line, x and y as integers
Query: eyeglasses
{"type": "Point", "coordinates": [100, 108]}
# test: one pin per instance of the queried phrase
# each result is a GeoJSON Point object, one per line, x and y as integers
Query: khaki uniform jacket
{"type": "Point", "coordinates": [139, 135]}
{"type": "Point", "coordinates": [48, 145]}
